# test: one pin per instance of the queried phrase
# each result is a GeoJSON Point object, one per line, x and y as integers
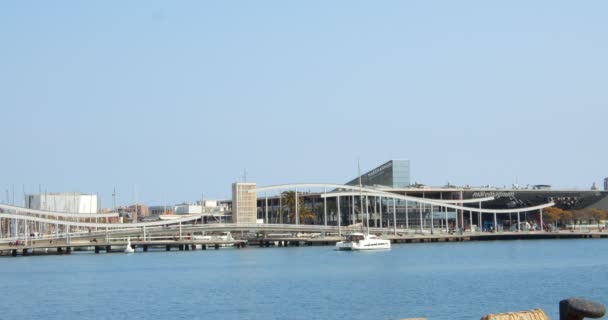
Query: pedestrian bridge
{"type": "Point", "coordinates": [22, 223]}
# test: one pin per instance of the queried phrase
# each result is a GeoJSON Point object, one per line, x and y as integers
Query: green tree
{"type": "Point", "coordinates": [288, 199]}
{"type": "Point", "coordinates": [565, 217]}
{"type": "Point", "coordinates": [579, 216]}
{"type": "Point", "coordinates": [597, 215]}
{"type": "Point", "coordinates": [552, 214]}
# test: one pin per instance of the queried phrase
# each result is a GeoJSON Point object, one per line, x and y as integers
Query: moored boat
{"type": "Point", "coordinates": [362, 241]}
{"type": "Point", "coordinates": [129, 248]}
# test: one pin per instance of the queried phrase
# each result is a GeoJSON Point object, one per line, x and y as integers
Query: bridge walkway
{"type": "Point", "coordinates": [63, 247]}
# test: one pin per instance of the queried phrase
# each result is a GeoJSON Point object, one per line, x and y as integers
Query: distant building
{"type": "Point", "coordinates": [70, 202]}
{"type": "Point", "coordinates": [188, 209]}
{"type": "Point", "coordinates": [605, 184]}
{"type": "Point", "coordinates": [155, 211]}
{"type": "Point", "coordinates": [208, 207]}
{"type": "Point", "coordinates": [394, 174]}
{"type": "Point", "coordinates": [138, 210]}
{"type": "Point", "coordinates": [387, 176]}
{"type": "Point", "coordinates": [244, 204]}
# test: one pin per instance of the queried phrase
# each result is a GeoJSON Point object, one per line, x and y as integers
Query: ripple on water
{"type": "Point", "coordinates": [438, 281]}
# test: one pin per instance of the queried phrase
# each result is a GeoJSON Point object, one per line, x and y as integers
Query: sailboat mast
{"type": "Point", "coordinates": [136, 206]}
{"type": "Point", "coordinates": [361, 196]}
{"type": "Point", "coordinates": [114, 199]}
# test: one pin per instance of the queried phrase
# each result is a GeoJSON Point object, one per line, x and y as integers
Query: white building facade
{"type": "Point", "coordinates": [244, 203]}
{"type": "Point", "coordinates": [70, 202]}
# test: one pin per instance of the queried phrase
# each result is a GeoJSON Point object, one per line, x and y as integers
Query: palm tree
{"type": "Point", "coordinates": [288, 199]}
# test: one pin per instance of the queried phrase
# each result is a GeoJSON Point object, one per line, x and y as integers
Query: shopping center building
{"type": "Point", "coordinates": [393, 177]}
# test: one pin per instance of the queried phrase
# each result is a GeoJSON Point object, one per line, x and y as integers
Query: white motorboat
{"type": "Point", "coordinates": [200, 237]}
{"type": "Point", "coordinates": [224, 236]}
{"type": "Point", "coordinates": [363, 241]}
{"type": "Point", "coordinates": [128, 248]}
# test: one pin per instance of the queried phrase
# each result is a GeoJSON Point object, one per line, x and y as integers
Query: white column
{"type": "Point", "coordinates": [518, 222]}
{"type": "Point", "coordinates": [354, 220]}
{"type": "Point", "coordinates": [541, 220]}
{"type": "Point", "coordinates": [461, 197]}
{"type": "Point", "coordinates": [479, 225]}
{"type": "Point", "coordinates": [180, 231]}
{"type": "Point", "coordinates": [456, 219]}
{"type": "Point", "coordinates": [265, 207]}
{"type": "Point", "coordinates": [375, 212]}
{"type": "Point", "coordinates": [470, 221]}
{"type": "Point", "coordinates": [495, 223]}
{"type": "Point", "coordinates": [447, 220]}
{"type": "Point", "coordinates": [407, 219]}
{"type": "Point", "coordinates": [361, 200]}
{"type": "Point", "coordinates": [297, 213]}
{"type": "Point", "coordinates": [325, 206]}
{"type": "Point", "coordinates": [420, 207]}
{"type": "Point", "coordinates": [339, 214]}
{"type": "Point", "coordinates": [380, 217]}
{"type": "Point", "coordinates": [432, 221]}
{"type": "Point", "coordinates": [445, 210]}
{"type": "Point", "coordinates": [395, 215]}
{"type": "Point", "coordinates": [367, 211]}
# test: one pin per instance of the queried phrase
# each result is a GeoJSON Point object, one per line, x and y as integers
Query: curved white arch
{"type": "Point", "coordinates": [98, 225]}
{"type": "Point", "coordinates": [452, 201]}
{"type": "Point", "coordinates": [59, 214]}
{"type": "Point", "coordinates": [439, 204]}
{"type": "Point", "coordinates": [308, 185]}
{"type": "Point", "coordinates": [357, 188]}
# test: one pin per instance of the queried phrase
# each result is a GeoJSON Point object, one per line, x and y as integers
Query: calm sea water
{"type": "Point", "coordinates": [438, 281]}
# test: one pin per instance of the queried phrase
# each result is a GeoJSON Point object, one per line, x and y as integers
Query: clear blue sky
{"type": "Point", "coordinates": [177, 98]}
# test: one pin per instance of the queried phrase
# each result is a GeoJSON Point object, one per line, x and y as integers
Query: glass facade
{"type": "Point", "coordinates": [401, 173]}
{"type": "Point", "coordinates": [394, 173]}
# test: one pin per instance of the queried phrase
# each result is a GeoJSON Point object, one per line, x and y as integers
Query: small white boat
{"type": "Point", "coordinates": [362, 241]}
{"type": "Point", "coordinates": [226, 236]}
{"type": "Point", "coordinates": [200, 237]}
{"type": "Point", "coordinates": [128, 248]}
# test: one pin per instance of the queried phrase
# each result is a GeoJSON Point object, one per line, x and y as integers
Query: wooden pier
{"type": "Point", "coordinates": [41, 247]}
{"type": "Point", "coordinates": [427, 238]}
{"type": "Point", "coordinates": [63, 247]}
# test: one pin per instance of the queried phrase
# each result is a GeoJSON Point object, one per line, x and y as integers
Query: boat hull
{"type": "Point", "coordinates": [363, 245]}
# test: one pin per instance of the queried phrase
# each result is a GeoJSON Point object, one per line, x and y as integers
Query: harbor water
{"type": "Point", "coordinates": [462, 280]}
